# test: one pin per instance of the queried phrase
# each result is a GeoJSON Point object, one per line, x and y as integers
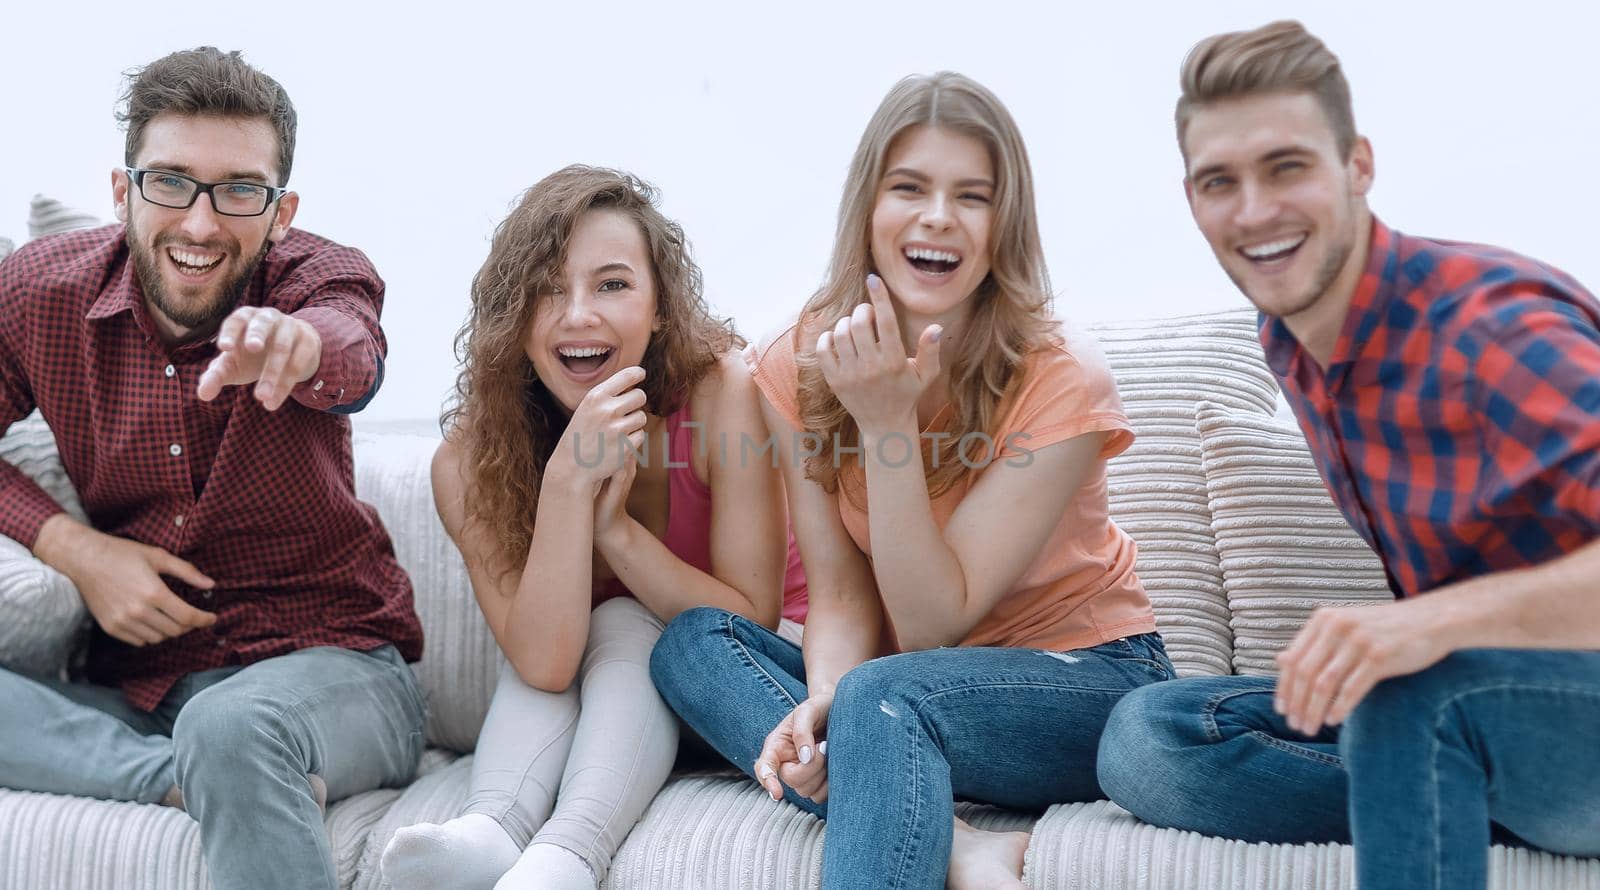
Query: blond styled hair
{"type": "Point", "coordinates": [1011, 314]}
{"type": "Point", "coordinates": [1281, 57]}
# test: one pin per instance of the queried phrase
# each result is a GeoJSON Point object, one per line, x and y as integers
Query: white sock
{"type": "Point", "coordinates": [469, 852]}
{"type": "Point", "coordinates": [549, 867]}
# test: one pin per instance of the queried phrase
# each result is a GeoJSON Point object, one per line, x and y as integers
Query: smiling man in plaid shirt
{"type": "Point", "coordinates": [1450, 394]}
{"type": "Point", "coordinates": [196, 364]}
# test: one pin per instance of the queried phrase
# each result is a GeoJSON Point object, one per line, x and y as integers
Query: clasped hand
{"type": "Point", "coordinates": [792, 755]}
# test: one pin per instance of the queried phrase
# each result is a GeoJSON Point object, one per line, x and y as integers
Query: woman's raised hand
{"type": "Point", "coordinates": [606, 428]}
{"type": "Point", "coordinates": [865, 364]}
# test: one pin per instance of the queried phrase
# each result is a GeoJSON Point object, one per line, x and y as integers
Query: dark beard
{"type": "Point", "coordinates": [200, 319]}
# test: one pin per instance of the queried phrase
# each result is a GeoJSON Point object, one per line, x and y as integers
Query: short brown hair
{"type": "Point", "coordinates": [206, 81]}
{"type": "Point", "coordinates": [1282, 57]}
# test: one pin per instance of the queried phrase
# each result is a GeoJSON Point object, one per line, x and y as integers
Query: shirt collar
{"type": "Point", "coordinates": [1372, 293]}
{"type": "Point", "coordinates": [122, 293]}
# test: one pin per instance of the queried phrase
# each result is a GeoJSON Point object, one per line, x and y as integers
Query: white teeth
{"type": "Point", "coordinates": [194, 260]}
{"type": "Point", "coordinates": [926, 253]}
{"type": "Point", "coordinates": [583, 351]}
{"type": "Point", "coordinates": [1259, 251]}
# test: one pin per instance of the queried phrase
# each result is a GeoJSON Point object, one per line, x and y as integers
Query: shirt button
{"type": "Point", "coordinates": [206, 594]}
{"type": "Point", "coordinates": [178, 520]}
{"type": "Point", "coordinates": [171, 370]}
{"type": "Point", "coordinates": [174, 449]}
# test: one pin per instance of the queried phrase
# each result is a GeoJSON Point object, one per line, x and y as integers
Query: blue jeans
{"type": "Point", "coordinates": [1487, 744]}
{"type": "Point", "coordinates": [1503, 735]}
{"type": "Point", "coordinates": [240, 743]}
{"type": "Point", "coordinates": [907, 733]}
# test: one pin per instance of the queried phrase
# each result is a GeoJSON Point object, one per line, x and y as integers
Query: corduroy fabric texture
{"type": "Point", "coordinates": [1164, 369]}
{"type": "Point", "coordinates": [1285, 547]}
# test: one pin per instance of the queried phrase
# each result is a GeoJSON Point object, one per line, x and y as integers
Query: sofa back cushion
{"type": "Point", "coordinates": [1164, 369]}
{"type": "Point", "coordinates": [1285, 547]}
{"type": "Point", "coordinates": [460, 660]}
{"type": "Point", "coordinates": [42, 617]}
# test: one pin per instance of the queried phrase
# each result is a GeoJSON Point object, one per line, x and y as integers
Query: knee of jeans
{"type": "Point", "coordinates": [1413, 702]}
{"type": "Point", "coordinates": [878, 686]}
{"type": "Point", "coordinates": [229, 729]}
{"type": "Point", "coordinates": [1150, 738]}
{"type": "Point", "coordinates": [682, 646]}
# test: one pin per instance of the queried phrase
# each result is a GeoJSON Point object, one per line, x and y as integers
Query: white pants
{"type": "Point", "coordinates": [578, 768]}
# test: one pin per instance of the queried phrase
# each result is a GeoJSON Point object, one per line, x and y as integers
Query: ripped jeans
{"type": "Point", "coordinates": [908, 733]}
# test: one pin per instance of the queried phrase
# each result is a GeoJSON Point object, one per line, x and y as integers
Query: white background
{"type": "Point", "coordinates": [419, 128]}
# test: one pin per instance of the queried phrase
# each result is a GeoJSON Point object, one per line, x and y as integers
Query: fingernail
{"type": "Point", "coordinates": [937, 333]}
{"type": "Point", "coordinates": [805, 754]}
{"type": "Point", "coordinates": [764, 771]}
{"type": "Point", "coordinates": [873, 280]}
{"type": "Point", "coordinates": [822, 748]}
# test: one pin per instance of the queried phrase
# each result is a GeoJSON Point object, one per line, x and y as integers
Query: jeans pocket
{"type": "Point", "coordinates": [1144, 650]}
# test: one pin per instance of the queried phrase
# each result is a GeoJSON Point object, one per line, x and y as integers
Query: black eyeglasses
{"type": "Point", "coordinates": [227, 198]}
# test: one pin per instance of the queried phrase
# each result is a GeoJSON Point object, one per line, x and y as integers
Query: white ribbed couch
{"type": "Point", "coordinates": [1237, 540]}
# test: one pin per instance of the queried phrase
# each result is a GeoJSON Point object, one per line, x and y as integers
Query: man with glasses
{"type": "Point", "coordinates": [196, 364]}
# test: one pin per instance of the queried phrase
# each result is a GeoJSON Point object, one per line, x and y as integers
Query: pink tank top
{"type": "Point", "coordinates": [688, 534]}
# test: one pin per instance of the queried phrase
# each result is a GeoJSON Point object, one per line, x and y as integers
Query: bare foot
{"type": "Point", "coordinates": [986, 860]}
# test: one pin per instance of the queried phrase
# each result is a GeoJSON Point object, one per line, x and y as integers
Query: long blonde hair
{"type": "Point", "coordinates": [1011, 314]}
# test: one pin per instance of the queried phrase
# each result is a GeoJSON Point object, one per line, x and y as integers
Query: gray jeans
{"type": "Point", "coordinates": [578, 768]}
{"type": "Point", "coordinates": [239, 742]}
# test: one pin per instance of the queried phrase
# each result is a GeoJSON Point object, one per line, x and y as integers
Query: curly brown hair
{"type": "Point", "coordinates": [1012, 313]}
{"type": "Point", "coordinates": [505, 421]}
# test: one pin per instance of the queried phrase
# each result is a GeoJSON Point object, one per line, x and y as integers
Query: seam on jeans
{"type": "Point", "coordinates": [1437, 834]}
{"type": "Point", "coordinates": [522, 781]}
{"type": "Point", "coordinates": [1289, 747]}
{"type": "Point", "coordinates": [299, 707]}
{"type": "Point", "coordinates": [911, 839]}
{"type": "Point", "coordinates": [1208, 712]}
{"type": "Point", "coordinates": [744, 651]}
{"type": "Point", "coordinates": [633, 770]}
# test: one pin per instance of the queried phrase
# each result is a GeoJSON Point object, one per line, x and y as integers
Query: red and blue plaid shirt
{"type": "Point", "coordinates": [262, 502]}
{"type": "Point", "coordinates": [1457, 424]}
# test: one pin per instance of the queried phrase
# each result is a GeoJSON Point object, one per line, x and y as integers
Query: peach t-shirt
{"type": "Point", "coordinates": [1080, 590]}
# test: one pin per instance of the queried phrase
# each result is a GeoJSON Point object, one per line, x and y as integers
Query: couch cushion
{"type": "Point", "coordinates": [1097, 846]}
{"type": "Point", "coordinates": [460, 660]}
{"type": "Point", "coordinates": [6, 247]}
{"type": "Point", "coordinates": [704, 831]}
{"type": "Point", "coordinates": [54, 841]}
{"type": "Point", "coordinates": [47, 216]}
{"type": "Point", "coordinates": [1285, 547]}
{"type": "Point", "coordinates": [437, 795]}
{"type": "Point", "coordinates": [1164, 369]}
{"type": "Point", "coordinates": [42, 618]}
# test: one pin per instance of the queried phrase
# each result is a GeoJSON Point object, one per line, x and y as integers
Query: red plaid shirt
{"type": "Point", "coordinates": [262, 502]}
{"type": "Point", "coordinates": [1457, 424]}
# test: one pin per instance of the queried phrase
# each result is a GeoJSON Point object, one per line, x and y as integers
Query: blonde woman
{"type": "Point", "coordinates": [974, 613]}
{"type": "Point", "coordinates": [588, 514]}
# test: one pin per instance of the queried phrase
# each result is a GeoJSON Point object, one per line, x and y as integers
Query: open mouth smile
{"type": "Point", "coordinates": [583, 362]}
{"type": "Point", "coordinates": [1275, 251]}
{"type": "Point", "coordinates": [193, 264]}
{"type": "Point", "coordinates": [932, 261]}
